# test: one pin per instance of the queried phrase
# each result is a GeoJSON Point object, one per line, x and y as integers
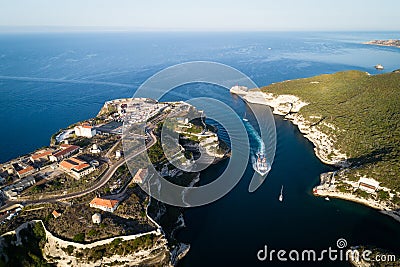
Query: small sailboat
{"type": "Point", "coordinates": [281, 195]}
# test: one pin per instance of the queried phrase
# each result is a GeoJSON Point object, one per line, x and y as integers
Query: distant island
{"type": "Point", "coordinates": [392, 42]}
{"type": "Point", "coordinates": [352, 118]}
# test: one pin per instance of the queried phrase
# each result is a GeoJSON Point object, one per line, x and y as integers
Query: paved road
{"type": "Point", "coordinates": [103, 180]}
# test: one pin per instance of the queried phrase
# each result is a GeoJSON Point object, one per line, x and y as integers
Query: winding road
{"type": "Point", "coordinates": [103, 180]}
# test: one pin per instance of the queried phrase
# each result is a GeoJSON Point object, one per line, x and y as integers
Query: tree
{"type": "Point", "coordinates": [79, 238]}
{"type": "Point", "coordinates": [383, 195]}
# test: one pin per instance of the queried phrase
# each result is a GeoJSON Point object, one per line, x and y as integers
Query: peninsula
{"type": "Point", "coordinates": [352, 118]}
{"type": "Point", "coordinates": [76, 203]}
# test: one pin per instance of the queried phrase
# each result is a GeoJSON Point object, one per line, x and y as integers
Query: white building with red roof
{"type": "Point", "coordinates": [109, 205]}
{"type": "Point", "coordinates": [368, 185]}
{"type": "Point", "coordinates": [40, 156]}
{"type": "Point", "coordinates": [85, 130]}
{"type": "Point", "coordinates": [76, 167]}
{"type": "Point", "coordinates": [63, 152]}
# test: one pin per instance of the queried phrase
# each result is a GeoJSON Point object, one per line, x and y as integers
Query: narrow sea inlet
{"type": "Point", "coordinates": [237, 226]}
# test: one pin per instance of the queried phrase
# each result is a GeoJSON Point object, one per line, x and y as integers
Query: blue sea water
{"type": "Point", "coordinates": [49, 81]}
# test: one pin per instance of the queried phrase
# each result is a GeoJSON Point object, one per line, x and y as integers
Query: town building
{"type": "Point", "coordinates": [109, 205]}
{"type": "Point", "coordinates": [56, 214]}
{"type": "Point", "coordinates": [12, 191]}
{"type": "Point", "coordinates": [95, 149]}
{"type": "Point", "coordinates": [140, 175]}
{"type": "Point", "coordinates": [85, 130]}
{"type": "Point", "coordinates": [76, 167]}
{"type": "Point", "coordinates": [22, 169]}
{"type": "Point", "coordinates": [96, 218]}
{"type": "Point", "coordinates": [368, 185]}
{"type": "Point", "coordinates": [112, 127]}
{"type": "Point", "coordinates": [63, 152]}
{"type": "Point", "coordinates": [8, 169]}
{"type": "Point", "coordinates": [41, 156]}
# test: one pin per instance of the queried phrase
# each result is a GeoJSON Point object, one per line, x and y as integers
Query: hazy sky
{"type": "Point", "coordinates": [205, 14]}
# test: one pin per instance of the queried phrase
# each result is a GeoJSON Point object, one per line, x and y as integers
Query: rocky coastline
{"type": "Point", "coordinates": [391, 43]}
{"type": "Point", "coordinates": [289, 106]}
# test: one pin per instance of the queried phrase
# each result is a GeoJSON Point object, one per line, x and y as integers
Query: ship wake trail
{"type": "Point", "coordinates": [254, 134]}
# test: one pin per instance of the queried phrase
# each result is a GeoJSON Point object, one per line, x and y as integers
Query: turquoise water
{"type": "Point", "coordinates": [48, 81]}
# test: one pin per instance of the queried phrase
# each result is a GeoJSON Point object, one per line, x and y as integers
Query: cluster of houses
{"type": "Point", "coordinates": [134, 110]}
{"type": "Point", "coordinates": [13, 190]}
{"type": "Point", "coordinates": [24, 168]}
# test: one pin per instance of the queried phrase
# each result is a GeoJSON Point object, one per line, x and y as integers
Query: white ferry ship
{"type": "Point", "coordinates": [260, 165]}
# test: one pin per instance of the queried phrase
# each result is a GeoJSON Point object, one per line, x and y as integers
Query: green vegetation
{"type": "Point", "coordinates": [29, 252]}
{"type": "Point", "coordinates": [118, 247]}
{"type": "Point", "coordinates": [80, 238]}
{"type": "Point", "coordinates": [69, 249]}
{"type": "Point", "coordinates": [366, 113]}
{"type": "Point", "coordinates": [156, 153]}
{"type": "Point", "coordinates": [383, 195]}
{"type": "Point", "coordinates": [344, 188]}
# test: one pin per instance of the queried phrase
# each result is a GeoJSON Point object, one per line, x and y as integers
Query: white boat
{"type": "Point", "coordinates": [327, 199]}
{"type": "Point", "coordinates": [281, 195]}
{"type": "Point", "coordinates": [260, 165]}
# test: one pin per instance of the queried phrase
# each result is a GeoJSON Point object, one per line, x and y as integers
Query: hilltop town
{"type": "Point", "coordinates": [79, 195]}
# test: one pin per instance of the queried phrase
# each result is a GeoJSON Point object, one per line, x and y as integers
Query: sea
{"type": "Point", "coordinates": [51, 80]}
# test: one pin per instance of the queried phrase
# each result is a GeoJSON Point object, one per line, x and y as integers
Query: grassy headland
{"type": "Point", "coordinates": [361, 112]}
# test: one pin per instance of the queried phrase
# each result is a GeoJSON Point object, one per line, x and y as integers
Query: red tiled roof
{"type": "Point", "coordinates": [108, 203]}
{"type": "Point", "coordinates": [56, 214]}
{"type": "Point", "coordinates": [27, 169]}
{"type": "Point", "coordinates": [87, 126]}
{"type": "Point", "coordinates": [67, 149]}
{"type": "Point", "coordinates": [41, 155]}
{"type": "Point", "coordinates": [368, 185]}
{"type": "Point", "coordinates": [74, 164]}
{"type": "Point", "coordinates": [65, 145]}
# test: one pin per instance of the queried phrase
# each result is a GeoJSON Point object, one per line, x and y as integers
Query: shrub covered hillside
{"type": "Point", "coordinates": [365, 112]}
